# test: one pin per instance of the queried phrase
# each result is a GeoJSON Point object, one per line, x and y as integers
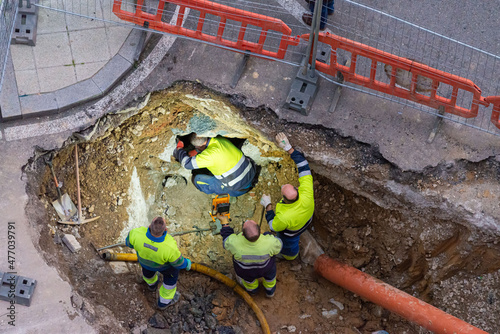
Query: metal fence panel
{"type": "Point", "coordinates": [352, 20]}
{"type": "Point", "coordinates": [8, 12]}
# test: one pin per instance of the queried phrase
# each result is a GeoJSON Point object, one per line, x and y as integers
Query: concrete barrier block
{"type": "Point", "coordinates": [18, 289]}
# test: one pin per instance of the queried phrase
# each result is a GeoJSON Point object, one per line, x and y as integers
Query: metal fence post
{"type": "Point", "coordinates": [305, 85]}
{"type": "Point", "coordinates": [8, 13]}
{"type": "Point", "coordinates": [313, 36]}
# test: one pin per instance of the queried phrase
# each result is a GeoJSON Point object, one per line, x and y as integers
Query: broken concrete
{"type": "Point", "coordinates": [71, 242]}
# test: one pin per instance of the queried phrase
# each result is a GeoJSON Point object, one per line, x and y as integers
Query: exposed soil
{"type": "Point", "coordinates": [128, 177]}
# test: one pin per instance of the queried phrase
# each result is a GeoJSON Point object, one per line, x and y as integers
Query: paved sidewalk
{"type": "Point", "coordinates": [76, 59]}
{"type": "Point", "coordinates": [68, 49]}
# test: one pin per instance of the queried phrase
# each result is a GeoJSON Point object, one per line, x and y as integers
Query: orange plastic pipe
{"type": "Point", "coordinates": [394, 300]}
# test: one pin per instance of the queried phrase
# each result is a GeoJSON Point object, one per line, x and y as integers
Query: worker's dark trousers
{"type": "Point", "coordinates": [290, 248]}
{"type": "Point", "coordinates": [249, 278]}
{"type": "Point", "coordinates": [169, 286]}
{"type": "Point", "coordinates": [209, 184]}
{"type": "Point", "coordinates": [327, 9]}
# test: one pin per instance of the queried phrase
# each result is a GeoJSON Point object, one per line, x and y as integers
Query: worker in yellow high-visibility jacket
{"type": "Point", "coordinates": [157, 252]}
{"type": "Point", "coordinates": [229, 171]}
{"type": "Point", "coordinates": [253, 255]}
{"type": "Point", "coordinates": [295, 211]}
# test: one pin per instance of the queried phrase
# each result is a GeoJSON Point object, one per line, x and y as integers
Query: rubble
{"type": "Point", "coordinates": [70, 241]}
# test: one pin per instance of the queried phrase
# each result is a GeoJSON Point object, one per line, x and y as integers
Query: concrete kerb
{"type": "Point", "coordinates": [83, 91]}
{"type": "Point", "coordinates": [9, 100]}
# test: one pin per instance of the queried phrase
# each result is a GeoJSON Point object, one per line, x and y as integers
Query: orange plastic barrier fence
{"type": "Point", "coordinates": [356, 49]}
{"type": "Point", "coordinates": [416, 69]}
{"type": "Point", "coordinates": [495, 113]}
{"type": "Point", "coordinates": [266, 23]}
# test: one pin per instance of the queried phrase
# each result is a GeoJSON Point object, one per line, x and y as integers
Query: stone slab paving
{"type": "Point", "coordinates": [76, 59]}
{"type": "Point", "coordinates": [69, 48]}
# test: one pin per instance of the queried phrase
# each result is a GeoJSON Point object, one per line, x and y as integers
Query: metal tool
{"type": "Point", "coordinates": [110, 246]}
{"type": "Point", "coordinates": [64, 206]}
{"type": "Point", "coordinates": [192, 231]}
{"type": "Point", "coordinates": [80, 217]}
{"type": "Point", "coordinates": [122, 244]}
{"type": "Point", "coordinates": [262, 216]}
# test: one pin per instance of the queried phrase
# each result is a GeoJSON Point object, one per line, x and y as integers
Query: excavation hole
{"type": "Point", "coordinates": [128, 177]}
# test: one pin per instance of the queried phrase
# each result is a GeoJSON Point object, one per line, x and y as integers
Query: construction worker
{"type": "Point", "coordinates": [295, 211]}
{"type": "Point", "coordinates": [228, 170]}
{"type": "Point", "coordinates": [157, 252]}
{"type": "Point", "coordinates": [253, 255]}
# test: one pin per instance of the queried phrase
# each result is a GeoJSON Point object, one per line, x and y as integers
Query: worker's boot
{"type": "Point", "coordinates": [163, 306]}
{"type": "Point", "coordinates": [154, 286]}
{"type": "Point", "coordinates": [307, 19]}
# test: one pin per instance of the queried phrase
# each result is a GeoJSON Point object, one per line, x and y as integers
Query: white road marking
{"type": "Point", "coordinates": [293, 7]}
{"type": "Point", "coordinates": [45, 128]}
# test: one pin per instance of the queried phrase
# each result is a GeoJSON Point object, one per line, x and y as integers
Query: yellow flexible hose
{"type": "Point", "coordinates": [238, 289]}
{"type": "Point", "coordinates": [119, 256]}
{"type": "Point", "coordinates": [209, 272]}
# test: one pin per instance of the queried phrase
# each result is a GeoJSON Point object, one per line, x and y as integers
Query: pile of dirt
{"type": "Point", "coordinates": [128, 177]}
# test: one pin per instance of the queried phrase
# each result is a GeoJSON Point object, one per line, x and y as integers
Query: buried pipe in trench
{"type": "Point", "coordinates": [380, 293]}
{"type": "Point", "coordinates": [209, 272]}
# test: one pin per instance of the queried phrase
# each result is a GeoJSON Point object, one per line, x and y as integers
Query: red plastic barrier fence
{"type": "Point", "coordinates": [376, 56]}
{"type": "Point", "coordinates": [266, 23]}
{"type": "Point", "coordinates": [416, 69]}
{"type": "Point", "coordinates": [495, 112]}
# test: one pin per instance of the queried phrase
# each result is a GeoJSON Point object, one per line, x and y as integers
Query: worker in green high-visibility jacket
{"type": "Point", "coordinates": [253, 255]}
{"type": "Point", "coordinates": [157, 251]}
{"type": "Point", "coordinates": [295, 211]}
{"type": "Point", "coordinates": [226, 170]}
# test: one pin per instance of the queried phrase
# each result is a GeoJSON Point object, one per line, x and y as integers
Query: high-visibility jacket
{"type": "Point", "coordinates": [293, 219]}
{"type": "Point", "coordinates": [247, 254]}
{"type": "Point", "coordinates": [224, 160]}
{"type": "Point", "coordinates": [155, 253]}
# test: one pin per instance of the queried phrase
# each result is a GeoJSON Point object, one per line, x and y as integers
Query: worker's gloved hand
{"type": "Point", "coordinates": [188, 267]}
{"type": "Point", "coordinates": [283, 142]}
{"type": "Point", "coordinates": [180, 146]}
{"type": "Point", "coordinates": [192, 153]}
{"type": "Point", "coordinates": [265, 200]}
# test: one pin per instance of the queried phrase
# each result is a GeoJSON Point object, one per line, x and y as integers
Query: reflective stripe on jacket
{"type": "Point", "coordinates": [252, 255]}
{"type": "Point", "coordinates": [155, 253]}
{"type": "Point", "coordinates": [224, 160]}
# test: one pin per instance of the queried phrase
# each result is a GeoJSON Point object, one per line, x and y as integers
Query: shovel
{"type": "Point", "coordinates": [63, 204]}
{"type": "Point", "coordinates": [80, 217]}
